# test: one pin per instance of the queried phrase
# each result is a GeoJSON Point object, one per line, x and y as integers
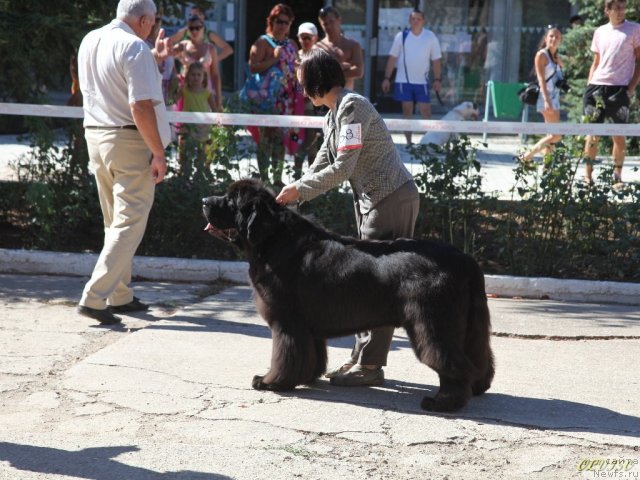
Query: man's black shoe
{"type": "Point", "coordinates": [105, 317]}
{"type": "Point", "coordinates": [134, 305]}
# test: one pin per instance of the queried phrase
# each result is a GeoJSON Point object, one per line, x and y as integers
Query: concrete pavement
{"type": "Point", "coordinates": [168, 396]}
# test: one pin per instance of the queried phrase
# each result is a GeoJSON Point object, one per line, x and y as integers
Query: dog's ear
{"type": "Point", "coordinates": [262, 223]}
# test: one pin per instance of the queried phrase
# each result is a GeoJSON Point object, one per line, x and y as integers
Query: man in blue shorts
{"type": "Point", "coordinates": [413, 51]}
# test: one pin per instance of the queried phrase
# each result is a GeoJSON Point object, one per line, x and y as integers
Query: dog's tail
{"type": "Point", "coordinates": [478, 338]}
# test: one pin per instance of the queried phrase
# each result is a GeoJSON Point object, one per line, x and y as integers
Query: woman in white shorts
{"type": "Point", "coordinates": [548, 67]}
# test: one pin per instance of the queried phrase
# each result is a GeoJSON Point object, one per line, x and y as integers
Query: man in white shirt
{"type": "Point", "coordinates": [412, 53]}
{"type": "Point", "coordinates": [126, 131]}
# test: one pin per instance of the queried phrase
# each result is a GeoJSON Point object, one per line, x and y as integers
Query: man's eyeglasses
{"type": "Point", "coordinates": [280, 21]}
{"type": "Point", "coordinates": [195, 29]}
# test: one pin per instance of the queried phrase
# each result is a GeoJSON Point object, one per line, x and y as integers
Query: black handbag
{"type": "Point", "coordinates": [529, 94]}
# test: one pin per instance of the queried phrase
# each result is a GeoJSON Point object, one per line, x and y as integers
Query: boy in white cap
{"type": "Point", "coordinates": [307, 36]}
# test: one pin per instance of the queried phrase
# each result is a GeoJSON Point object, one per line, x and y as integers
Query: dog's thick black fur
{"type": "Point", "coordinates": [311, 284]}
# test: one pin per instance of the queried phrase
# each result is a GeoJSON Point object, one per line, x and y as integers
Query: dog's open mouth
{"type": "Point", "coordinates": [227, 234]}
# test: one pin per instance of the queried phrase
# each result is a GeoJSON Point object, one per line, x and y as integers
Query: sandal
{"type": "Point", "coordinates": [345, 367]}
{"type": "Point", "coordinates": [617, 177]}
{"type": "Point", "coordinates": [358, 376]}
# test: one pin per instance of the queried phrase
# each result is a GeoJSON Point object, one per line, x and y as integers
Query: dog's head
{"type": "Point", "coordinates": [247, 214]}
{"type": "Point", "coordinates": [468, 111]}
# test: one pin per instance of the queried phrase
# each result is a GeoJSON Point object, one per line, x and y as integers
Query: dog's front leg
{"type": "Point", "coordinates": [293, 361]}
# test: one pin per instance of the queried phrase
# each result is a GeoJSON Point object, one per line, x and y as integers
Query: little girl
{"type": "Point", "coordinates": [195, 96]}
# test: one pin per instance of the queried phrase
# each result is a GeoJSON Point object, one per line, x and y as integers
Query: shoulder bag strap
{"type": "Point", "coordinates": [270, 40]}
{"type": "Point", "coordinates": [555, 66]}
{"type": "Point", "coordinates": [405, 34]}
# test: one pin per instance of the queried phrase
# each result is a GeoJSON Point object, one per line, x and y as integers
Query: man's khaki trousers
{"type": "Point", "coordinates": [120, 160]}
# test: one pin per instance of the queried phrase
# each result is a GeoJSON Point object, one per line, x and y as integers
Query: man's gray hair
{"type": "Point", "coordinates": [130, 9]}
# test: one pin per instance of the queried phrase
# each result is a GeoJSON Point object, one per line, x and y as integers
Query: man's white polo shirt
{"type": "Point", "coordinates": [116, 68]}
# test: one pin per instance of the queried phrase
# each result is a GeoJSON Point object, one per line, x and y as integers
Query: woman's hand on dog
{"type": "Point", "coordinates": [288, 194]}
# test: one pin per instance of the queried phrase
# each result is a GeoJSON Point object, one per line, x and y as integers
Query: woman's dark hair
{"type": "Point", "coordinates": [320, 72]}
{"type": "Point", "coordinates": [543, 41]}
{"type": "Point", "coordinates": [195, 18]}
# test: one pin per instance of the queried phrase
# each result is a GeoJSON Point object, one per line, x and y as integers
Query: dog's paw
{"type": "Point", "coordinates": [443, 403]}
{"type": "Point", "coordinates": [428, 404]}
{"type": "Point", "coordinates": [258, 384]}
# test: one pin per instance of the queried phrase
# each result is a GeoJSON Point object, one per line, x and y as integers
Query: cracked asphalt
{"type": "Point", "coordinates": [168, 395]}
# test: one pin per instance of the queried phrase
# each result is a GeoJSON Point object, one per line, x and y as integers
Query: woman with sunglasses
{"type": "Point", "coordinates": [548, 68]}
{"type": "Point", "coordinates": [223, 48]}
{"type": "Point", "coordinates": [197, 49]}
{"type": "Point", "coordinates": [275, 50]}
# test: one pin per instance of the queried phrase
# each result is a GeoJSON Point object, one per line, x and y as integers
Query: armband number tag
{"type": "Point", "coordinates": [350, 137]}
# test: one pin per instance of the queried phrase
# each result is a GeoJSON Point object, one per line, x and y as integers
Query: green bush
{"type": "Point", "coordinates": [561, 226]}
{"type": "Point", "coordinates": [554, 224]}
{"type": "Point", "coordinates": [453, 201]}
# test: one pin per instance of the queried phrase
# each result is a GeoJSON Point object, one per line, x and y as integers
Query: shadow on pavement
{"type": "Point", "coordinates": [490, 408]}
{"type": "Point", "coordinates": [91, 463]}
{"type": "Point", "coordinates": [41, 287]}
{"type": "Point", "coordinates": [213, 320]}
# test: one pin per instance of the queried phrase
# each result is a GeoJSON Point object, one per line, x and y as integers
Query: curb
{"type": "Point", "coordinates": [193, 270]}
{"type": "Point", "coordinates": [147, 268]}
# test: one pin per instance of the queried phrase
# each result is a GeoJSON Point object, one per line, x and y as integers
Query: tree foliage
{"type": "Point", "coordinates": [38, 37]}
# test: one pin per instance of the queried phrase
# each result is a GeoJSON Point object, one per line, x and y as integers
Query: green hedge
{"type": "Point", "coordinates": [554, 224]}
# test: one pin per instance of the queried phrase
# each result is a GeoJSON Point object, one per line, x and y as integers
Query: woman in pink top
{"type": "Point", "coordinates": [197, 49]}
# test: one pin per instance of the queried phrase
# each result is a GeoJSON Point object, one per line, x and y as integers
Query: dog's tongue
{"type": "Point", "coordinates": [208, 228]}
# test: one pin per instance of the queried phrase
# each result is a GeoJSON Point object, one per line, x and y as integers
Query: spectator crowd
{"type": "Point", "coordinates": [413, 74]}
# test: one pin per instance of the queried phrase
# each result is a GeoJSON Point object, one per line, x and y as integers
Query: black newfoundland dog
{"type": "Point", "coordinates": [311, 284]}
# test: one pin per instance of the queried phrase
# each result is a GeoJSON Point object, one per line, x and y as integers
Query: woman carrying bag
{"type": "Point", "coordinates": [548, 68]}
{"type": "Point", "coordinates": [274, 56]}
